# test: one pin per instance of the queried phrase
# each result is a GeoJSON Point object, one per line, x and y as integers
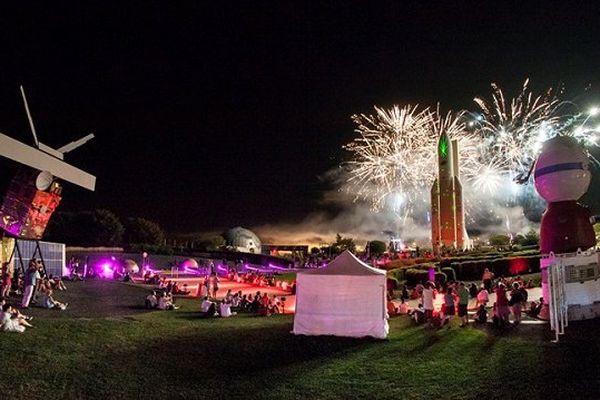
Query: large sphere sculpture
{"type": "Point", "coordinates": [188, 263]}
{"type": "Point", "coordinates": [131, 266]}
{"type": "Point", "coordinates": [562, 176]}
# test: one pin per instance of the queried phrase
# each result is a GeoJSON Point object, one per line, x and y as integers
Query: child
{"type": "Point", "coordinates": [481, 315]}
{"type": "Point", "coordinates": [419, 314]}
{"type": "Point", "coordinates": [50, 303]}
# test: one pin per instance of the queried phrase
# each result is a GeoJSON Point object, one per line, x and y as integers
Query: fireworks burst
{"type": "Point", "coordinates": [394, 157]}
{"type": "Point", "coordinates": [512, 133]}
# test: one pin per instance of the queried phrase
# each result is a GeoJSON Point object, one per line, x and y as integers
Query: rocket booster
{"type": "Point", "coordinates": [447, 215]}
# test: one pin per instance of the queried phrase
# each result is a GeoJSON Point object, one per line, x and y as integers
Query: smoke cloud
{"type": "Point", "coordinates": [486, 215]}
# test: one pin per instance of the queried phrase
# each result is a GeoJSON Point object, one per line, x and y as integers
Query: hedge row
{"type": "Point", "coordinates": [467, 270]}
{"type": "Point", "coordinates": [415, 276]}
{"type": "Point", "coordinates": [511, 266]}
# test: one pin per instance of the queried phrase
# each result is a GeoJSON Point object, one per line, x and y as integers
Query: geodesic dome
{"type": "Point", "coordinates": [242, 239]}
{"type": "Point", "coordinates": [131, 266]}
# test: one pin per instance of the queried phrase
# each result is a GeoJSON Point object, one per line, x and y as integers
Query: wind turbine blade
{"type": "Point", "coordinates": [35, 139]}
{"type": "Point", "coordinates": [35, 158]}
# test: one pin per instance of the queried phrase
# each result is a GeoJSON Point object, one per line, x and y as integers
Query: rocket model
{"type": "Point", "coordinates": [447, 215]}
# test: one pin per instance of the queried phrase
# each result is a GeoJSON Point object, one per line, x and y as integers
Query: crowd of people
{"type": "Point", "coordinates": [259, 303]}
{"type": "Point", "coordinates": [256, 278]}
{"type": "Point", "coordinates": [511, 301]}
{"type": "Point", "coordinates": [28, 287]}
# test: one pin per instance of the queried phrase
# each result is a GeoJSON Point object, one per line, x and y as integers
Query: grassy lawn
{"type": "Point", "coordinates": [105, 346]}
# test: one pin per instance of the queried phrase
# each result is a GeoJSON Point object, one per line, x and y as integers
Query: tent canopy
{"type": "Point", "coordinates": [346, 298]}
{"type": "Point", "coordinates": [346, 264]}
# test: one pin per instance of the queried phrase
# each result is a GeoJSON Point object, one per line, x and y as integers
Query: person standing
{"type": "Point", "coordinates": [516, 301]}
{"type": "Point", "coordinates": [31, 278]}
{"type": "Point", "coordinates": [463, 304]}
{"type": "Point", "coordinates": [427, 300]}
{"type": "Point", "coordinates": [487, 279]}
{"type": "Point", "coordinates": [502, 310]}
{"type": "Point", "coordinates": [483, 297]}
{"type": "Point", "coordinates": [7, 275]}
{"type": "Point", "coordinates": [449, 307]}
{"type": "Point", "coordinates": [215, 285]}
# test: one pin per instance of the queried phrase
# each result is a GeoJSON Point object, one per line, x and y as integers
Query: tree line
{"type": "Point", "coordinates": [103, 228]}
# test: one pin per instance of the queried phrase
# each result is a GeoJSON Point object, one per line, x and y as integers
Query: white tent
{"type": "Point", "coordinates": [346, 298]}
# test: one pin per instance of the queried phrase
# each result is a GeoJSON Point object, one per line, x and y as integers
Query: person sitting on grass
{"type": "Point", "coordinates": [225, 309]}
{"type": "Point", "coordinates": [165, 302]}
{"type": "Point", "coordinates": [418, 314]}
{"type": "Point", "coordinates": [49, 302]}
{"type": "Point", "coordinates": [154, 279]}
{"type": "Point", "coordinates": [243, 302]}
{"type": "Point", "coordinates": [12, 321]}
{"type": "Point", "coordinates": [162, 283]}
{"type": "Point", "coordinates": [151, 300]}
{"type": "Point", "coordinates": [530, 284]}
{"type": "Point", "coordinates": [483, 296]}
{"type": "Point", "coordinates": [273, 307]}
{"type": "Point", "coordinates": [255, 303]}
{"type": "Point", "coordinates": [481, 315]}
{"type": "Point", "coordinates": [535, 307]}
{"type": "Point", "coordinates": [391, 307]}
{"type": "Point", "coordinates": [236, 299]}
{"type": "Point", "coordinates": [56, 283]}
{"type": "Point", "coordinates": [228, 295]}
{"type": "Point", "coordinates": [208, 308]}
{"type": "Point", "coordinates": [14, 310]}
{"type": "Point", "coordinates": [175, 289]}
{"type": "Point", "coordinates": [403, 307]}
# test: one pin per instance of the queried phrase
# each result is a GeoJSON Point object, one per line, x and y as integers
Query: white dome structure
{"type": "Point", "coordinates": [244, 240]}
{"type": "Point", "coordinates": [131, 266]}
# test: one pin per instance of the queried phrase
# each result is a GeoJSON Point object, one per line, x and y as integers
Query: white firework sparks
{"type": "Point", "coordinates": [395, 158]}
{"type": "Point", "coordinates": [512, 133]}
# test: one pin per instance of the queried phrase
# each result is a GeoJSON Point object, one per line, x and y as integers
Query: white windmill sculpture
{"type": "Point", "coordinates": [46, 159]}
{"type": "Point", "coordinates": [34, 192]}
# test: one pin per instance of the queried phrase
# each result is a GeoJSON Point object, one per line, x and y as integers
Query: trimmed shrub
{"type": "Point", "coordinates": [441, 278]}
{"type": "Point", "coordinates": [415, 276]}
{"type": "Point", "coordinates": [450, 273]}
{"type": "Point", "coordinates": [398, 274]}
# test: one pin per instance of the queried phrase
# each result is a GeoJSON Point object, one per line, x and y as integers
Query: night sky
{"type": "Point", "coordinates": [214, 114]}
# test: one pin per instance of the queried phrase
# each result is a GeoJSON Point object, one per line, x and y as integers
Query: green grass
{"type": "Point", "coordinates": [286, 276]}
{"type": "Point", "coordinates": [106, 347]}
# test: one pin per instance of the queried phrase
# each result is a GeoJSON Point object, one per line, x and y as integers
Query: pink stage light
{"type": "Point", "coordinates": [190, 270]}
{"type": "Point", "coordinates": [107, 270]}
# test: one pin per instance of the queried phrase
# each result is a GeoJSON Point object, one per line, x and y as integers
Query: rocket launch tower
{"type": "Point", "coordinates": [447, 213]}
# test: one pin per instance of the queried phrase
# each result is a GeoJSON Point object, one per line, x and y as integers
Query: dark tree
{"type": "Point", "coordinates": [342, 243]}
{"type": "Point", "coordinates": [377, 247]}
{"type": "Point", "coordinates": [499, 240]}
{"type": "Point", "coordinates": [106, 230]}
{"type": "Point", "coordinates": [143, 231]}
